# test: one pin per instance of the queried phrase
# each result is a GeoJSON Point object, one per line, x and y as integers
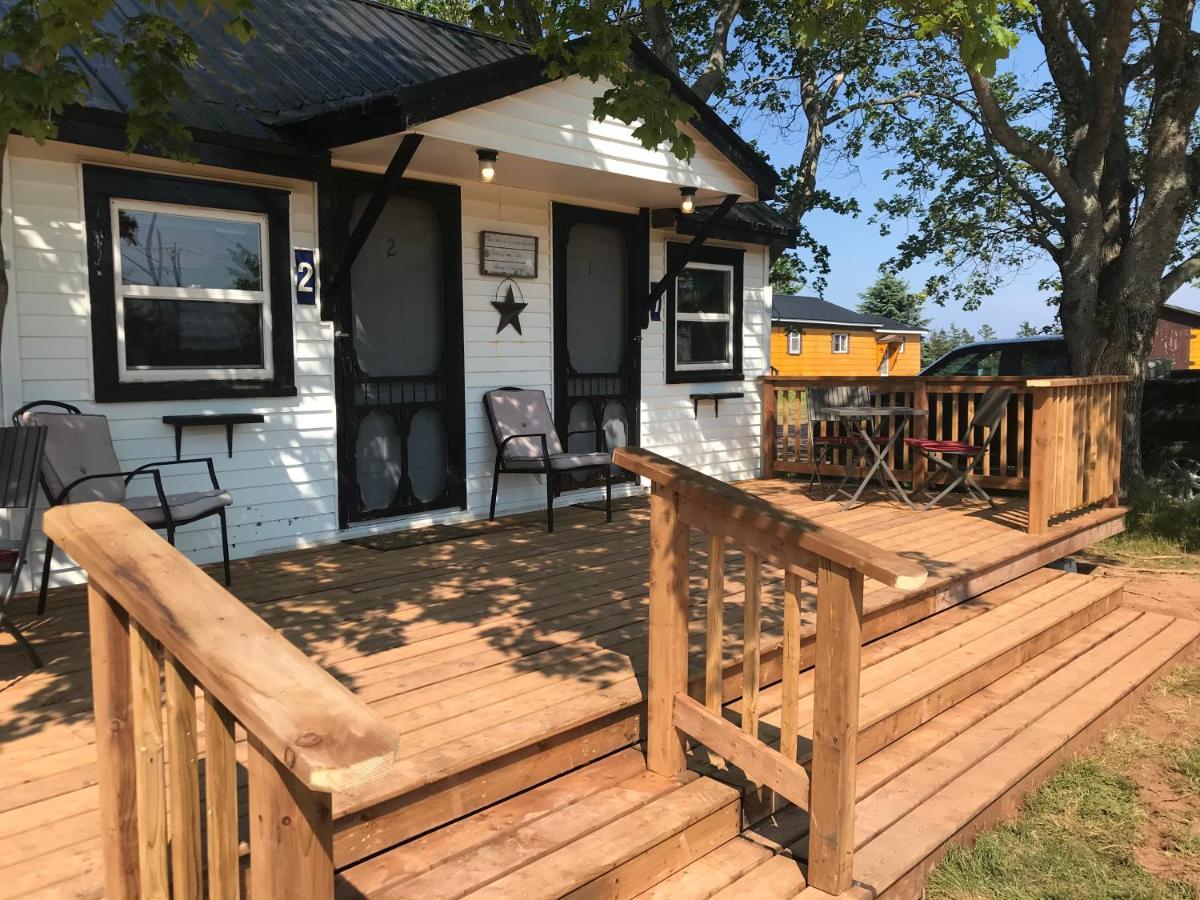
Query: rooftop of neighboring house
{"type": "Point", "coordinates": [1180, 316]}
{"type": "Point", "coordinates": [798, 309]}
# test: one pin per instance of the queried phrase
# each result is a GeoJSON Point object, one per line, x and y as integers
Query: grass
{"type": "Point", "coordinates": [1161, 533]}
{"type": "Point", "coordinates": [1083, 834]}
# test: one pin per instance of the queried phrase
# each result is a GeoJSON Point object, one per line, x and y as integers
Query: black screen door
{"type": "Point", "coordinates": [601, 261]}
{"type": "Point", "coordinates": [398, 357]}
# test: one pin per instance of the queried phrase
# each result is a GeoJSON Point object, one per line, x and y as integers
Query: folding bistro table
{"type": "Point", "coordinates": [863, 422]}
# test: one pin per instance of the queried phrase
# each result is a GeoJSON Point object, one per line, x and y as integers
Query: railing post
{"type": "Point", "coordinates": [920, 429]}
{"type": "Point", "coordinates": [668, 632]}
{"type": "Point", "coordinates": [291, 832]}
{"type": "Point", "coordinates": [112, 692]}
{"type": "Point", "coordinates": [1041, 461]}
{"type": "Point", "coordinates": [768, 430]}
{"type": "Point", "coordinates": [835, 727]}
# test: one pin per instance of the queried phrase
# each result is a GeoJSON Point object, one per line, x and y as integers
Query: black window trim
{"type": "Point", "coordinates": [102, 184]}
{"type": "Point", "coordinates": [735, 258]}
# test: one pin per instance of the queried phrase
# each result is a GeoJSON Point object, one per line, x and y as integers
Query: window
{"type": "Point", "coordinates": [903, 342]}
{"type": "Point", "coordinates": [795, 343]}
{"type": "Point", "coordinates": [704, 316]}
{"type": "Point", "coordinates": [984, 361]}
{"type": "Point", "coordinates": [885, 366]}
{"type": "Point", "coordinates": [190, 285]}
{"type": "Point", "coordinates": [841, 342]}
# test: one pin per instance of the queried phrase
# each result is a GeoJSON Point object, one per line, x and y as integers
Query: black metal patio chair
{"type": "Point", "coordinates": [954, 460]}
{"type": "Point", "coordinates": [20, 462]}
{"type": "Point", "coordinates": [80, 464]}
{"type": "Point", "coordinates": [527, 443]}
{"type": "Point", "coordinates": [817, 401]}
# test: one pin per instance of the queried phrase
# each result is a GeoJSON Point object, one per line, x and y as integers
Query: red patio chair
{"type": "Point", "coordinates": [956, 459]}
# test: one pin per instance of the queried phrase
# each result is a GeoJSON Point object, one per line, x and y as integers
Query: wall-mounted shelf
{"type": "Point", "coordinates": [210, 419]}
{"type": "Point", "coordinates": [716, 401]}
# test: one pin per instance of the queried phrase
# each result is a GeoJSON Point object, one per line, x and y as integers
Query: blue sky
{"type": "Point", "coordinates": [858, 249]}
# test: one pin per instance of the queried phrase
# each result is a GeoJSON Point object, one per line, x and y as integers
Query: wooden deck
{"type": "Point", "coordinates": [502, 655]}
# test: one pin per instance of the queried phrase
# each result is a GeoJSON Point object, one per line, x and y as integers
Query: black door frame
{"type": "Point", "coordinates": [356, 393]}
{"type": "Point", "coordinates": [567, 389]}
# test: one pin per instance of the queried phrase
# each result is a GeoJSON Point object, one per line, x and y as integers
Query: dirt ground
{"type": "Point", "coordinates": [1158, 748]}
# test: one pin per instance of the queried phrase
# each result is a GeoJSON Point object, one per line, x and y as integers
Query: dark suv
{"type": "Point", "coordinates": [1170, 405]}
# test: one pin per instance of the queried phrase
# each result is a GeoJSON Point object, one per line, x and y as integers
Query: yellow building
{"type": "Point", "coordinates": [811, 336]}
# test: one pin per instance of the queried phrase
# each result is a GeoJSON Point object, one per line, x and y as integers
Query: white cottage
{"type": "Point", "coordinates": [318, 291]}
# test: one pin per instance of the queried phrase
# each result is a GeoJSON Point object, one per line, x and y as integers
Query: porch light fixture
{"type": "Point", "coordinates": [687, 200]}
{"type": "Point", "coordinates": [487, 165]}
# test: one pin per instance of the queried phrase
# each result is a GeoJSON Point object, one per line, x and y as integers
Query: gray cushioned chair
{"type": "Point", "coordinates": [527, 443]}
{"type": "Point", "coordinates": [80, 464]}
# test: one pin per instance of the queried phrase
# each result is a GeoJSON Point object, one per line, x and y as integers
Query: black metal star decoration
{"type": "Point", "coordinates": [510, 311]}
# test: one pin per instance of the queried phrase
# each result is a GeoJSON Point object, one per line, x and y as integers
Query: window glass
{"type": "Point", "coordinates": [1044, 360]}
{"type": "Point", "coordinates": [795, 343]}
{"type": "Point", "coordinates": [703, 291]}
{"type": "Point", "coordinates": [984, 361]}
{"type": "Point", "coordinates": [191, 334]}
{"type": "Point", "coordinates": [702, 342]}
{"type": "Point", "coordinates": [164, 249]}
{"type": "Point", "coordinates": [190, 293]}
{"type": "Point", "coordinates": [704, 317]}
{"type": "Point", "coordinates": [841, 343]}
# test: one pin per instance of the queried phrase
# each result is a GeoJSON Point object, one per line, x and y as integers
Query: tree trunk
{"type": "Point", "coordinates": [1112, 335]}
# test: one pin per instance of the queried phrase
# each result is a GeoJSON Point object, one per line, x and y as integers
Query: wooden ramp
{"type": "Point", "coordinates": [963, 713]}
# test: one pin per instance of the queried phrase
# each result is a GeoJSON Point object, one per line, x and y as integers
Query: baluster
{"type": "Point", "coordinates": [791, 665]}
{"type": "Point", "coordinates": [714, 695]}
{"type": "Point", "coordinates": [752, 625]}
{"type": "Point", "coordinates": [148, 762]}
{"type": "Point", "coordinates": [186, 878]}
{"type": "Point", "coordinates": [112, 694]}
{"type": "Point", "coordinates": [220, 800]}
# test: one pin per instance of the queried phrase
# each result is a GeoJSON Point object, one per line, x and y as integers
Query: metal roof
{"type": "Point", "coordinates": [814, 310]}
{"type": "Point", "coordinates": [314, 63]}
{"type": "Point", "coordinates": [306, 56]}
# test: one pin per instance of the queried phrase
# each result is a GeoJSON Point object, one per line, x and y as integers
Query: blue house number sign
{"type": "Point", "coordinates": [306, 276]}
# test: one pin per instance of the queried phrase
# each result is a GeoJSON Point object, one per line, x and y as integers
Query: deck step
{"type": "Point", "coordinates": [610, 829]}
{"type": "Point", "coordinates": [962, 770]}
{"type": "Point", "coordinates": [907, 682]}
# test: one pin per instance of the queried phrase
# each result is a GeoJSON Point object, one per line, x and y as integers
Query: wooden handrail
{"type": "Point", "coordinates": [682, 499]}
{"type": "Point", "coordinates": [768, 529]}
{"type": "Point", "coordinates": [325, 736]}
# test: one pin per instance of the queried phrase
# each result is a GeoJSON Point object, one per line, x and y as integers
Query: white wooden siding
{"type": "Point", "coordinates": [555, 123]}
{"type": "Point", "coordinates": [283, 474]}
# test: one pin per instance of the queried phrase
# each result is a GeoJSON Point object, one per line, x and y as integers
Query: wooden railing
{"type": "Point", "coordinates": [1076, 458]}
{"type": "Point", "coordinates": [683, 499]}
{"type": "Point", "coordinates": [1025, 456]}
{"type": "Point", "coordinates": [160, 628]}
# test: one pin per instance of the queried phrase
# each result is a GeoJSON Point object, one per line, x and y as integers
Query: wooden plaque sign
{"type": "Point", "coordinates": [512, 255]}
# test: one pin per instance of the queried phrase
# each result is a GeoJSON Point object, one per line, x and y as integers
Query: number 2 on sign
{"type": "Point", "coordinates": [306, 277]}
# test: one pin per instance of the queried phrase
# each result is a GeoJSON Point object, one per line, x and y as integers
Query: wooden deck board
{"type": "Point", "coordinates": [505, 635]}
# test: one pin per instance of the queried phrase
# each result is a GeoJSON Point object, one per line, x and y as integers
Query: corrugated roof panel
{"type": "Point", "coordinates": [306, 54]}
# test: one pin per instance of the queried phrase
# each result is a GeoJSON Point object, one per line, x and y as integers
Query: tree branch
{"type": "Point", "coordinates": [662, 40]}
{"type": "Point", "coordinates": [1188, 270]}
{"type": "Point", "coordinates": [875, 103]}
{"type": "Point", "coordinates": [1041, 159]}
{"type": "Point", "coordinates": [715, 70]}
